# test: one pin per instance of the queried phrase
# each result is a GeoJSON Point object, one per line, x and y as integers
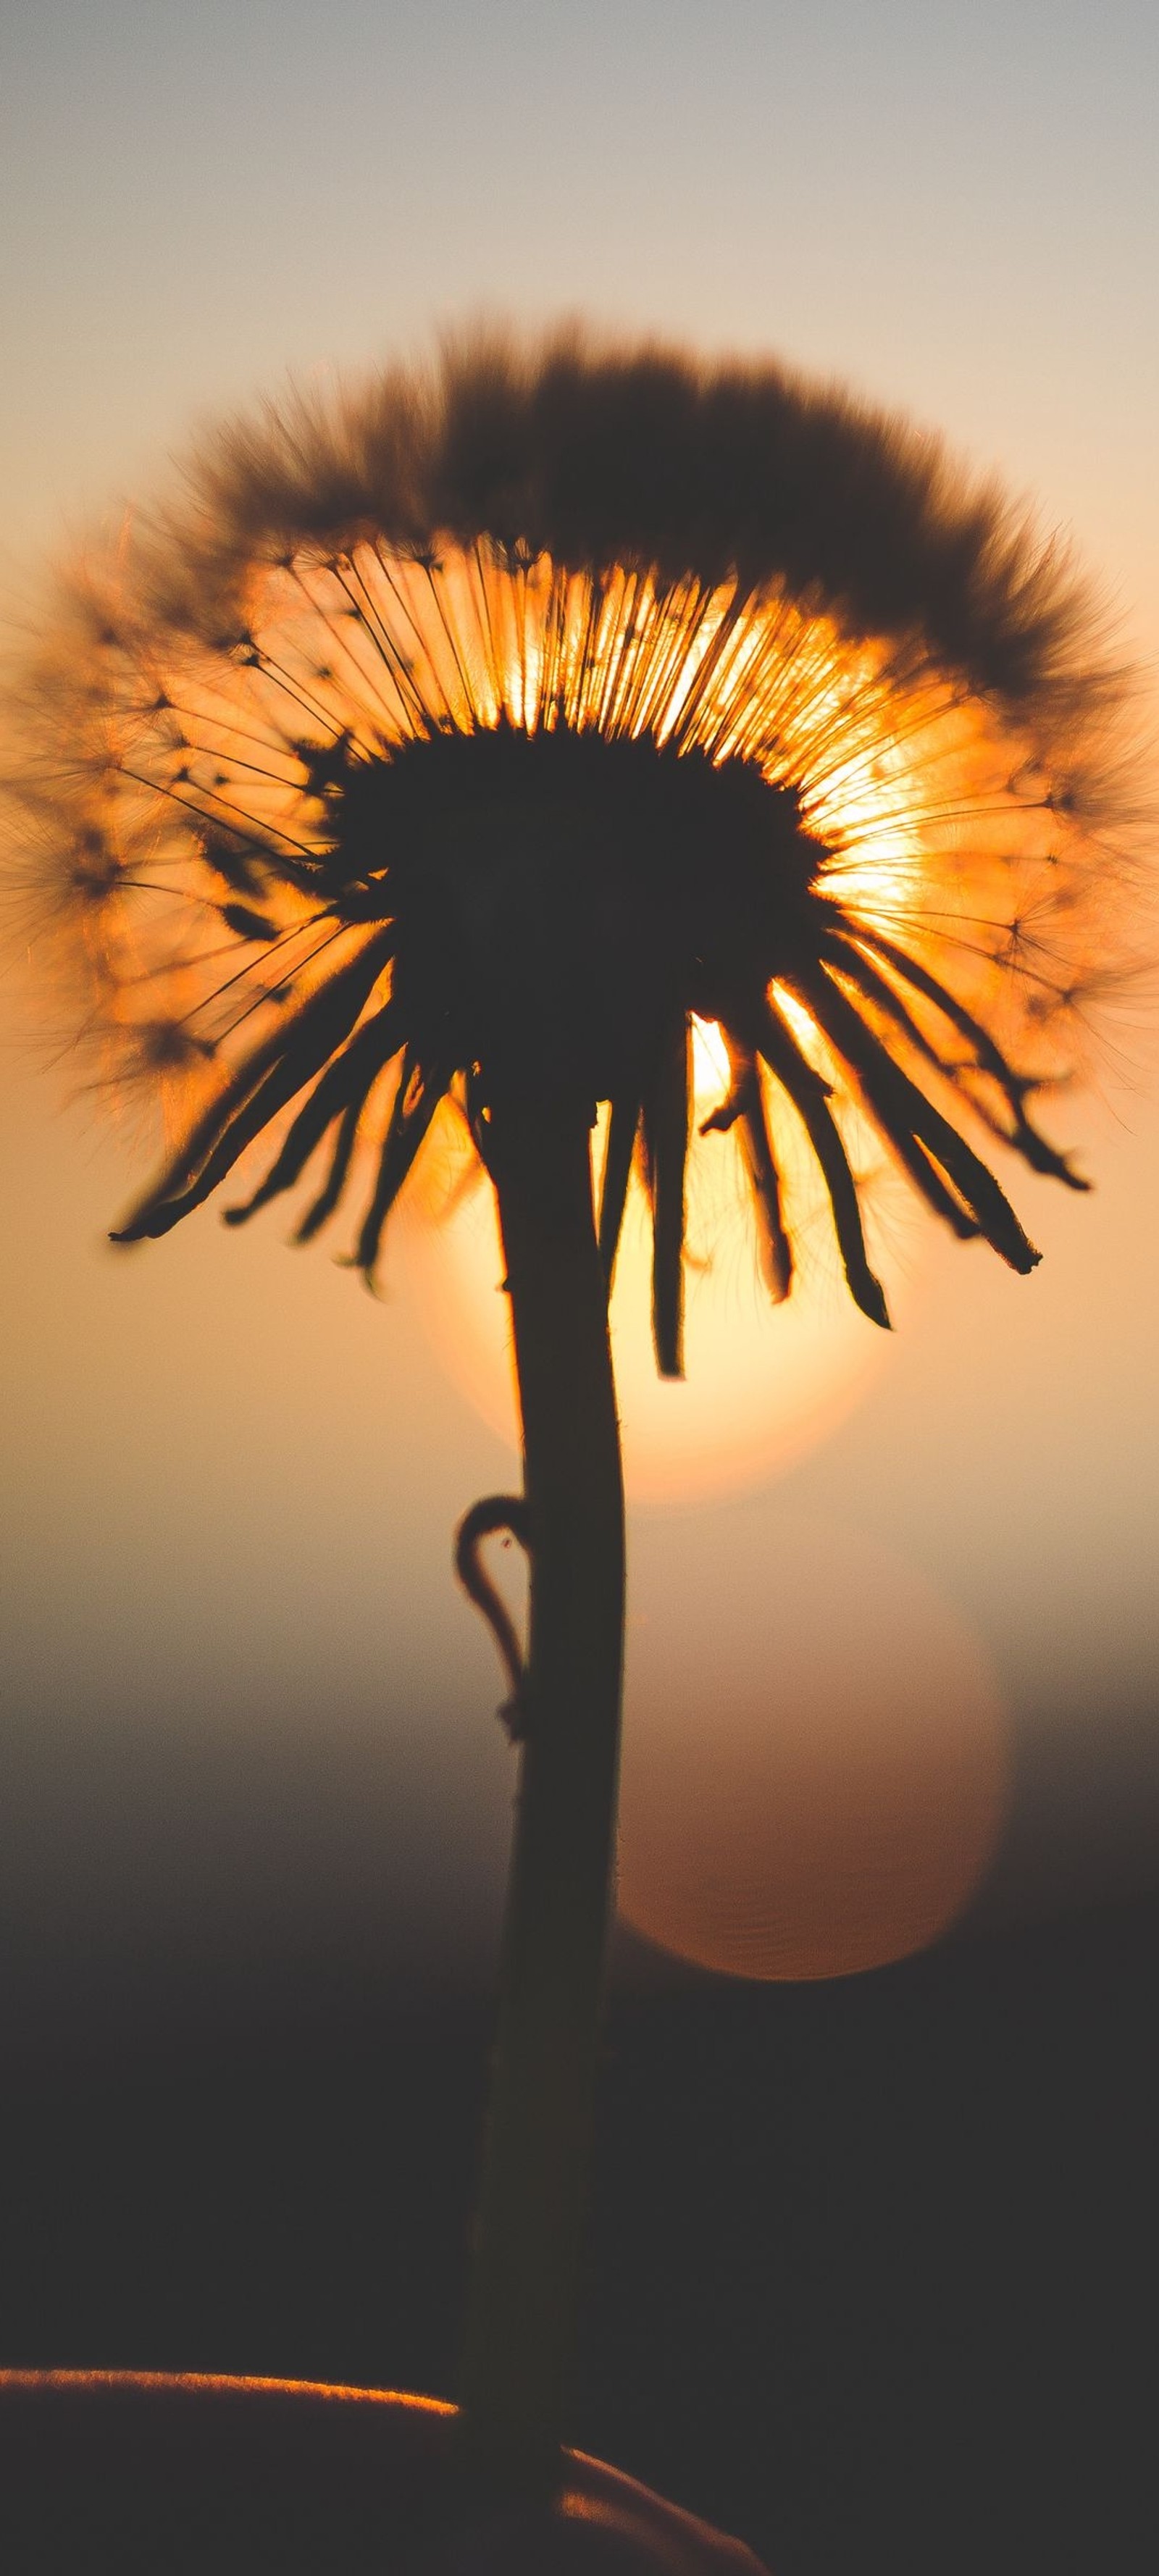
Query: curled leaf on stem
{"type": "Point", "coordinates": [496, 1512]}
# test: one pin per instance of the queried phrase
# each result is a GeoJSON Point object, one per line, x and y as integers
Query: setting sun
{"type": "Point", "coordinates": [763, 1383]}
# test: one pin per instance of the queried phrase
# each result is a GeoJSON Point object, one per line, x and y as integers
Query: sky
{"type": "Point", "coordinates": [246, 1710]}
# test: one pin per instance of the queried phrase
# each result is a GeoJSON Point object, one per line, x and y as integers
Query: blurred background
{"type": "Point", "coordinates": [872, 2236]}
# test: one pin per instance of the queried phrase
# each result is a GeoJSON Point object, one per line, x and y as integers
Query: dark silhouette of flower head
{"type": "Point", "coordinates": [474, 733]}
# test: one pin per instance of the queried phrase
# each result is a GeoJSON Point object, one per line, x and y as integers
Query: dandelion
{"type": "Point", "coordinates": [469, 745]}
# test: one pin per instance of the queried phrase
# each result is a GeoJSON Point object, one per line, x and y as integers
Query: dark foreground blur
{"type": "Point", "coordinates": [872, 2266]}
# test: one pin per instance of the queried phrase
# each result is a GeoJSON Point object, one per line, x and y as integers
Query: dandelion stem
{"type": "Point", "coordinates": [522, 2293]}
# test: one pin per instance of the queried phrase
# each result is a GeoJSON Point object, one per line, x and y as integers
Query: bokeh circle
{"type": "Point", "coordinates": [815, 1758]}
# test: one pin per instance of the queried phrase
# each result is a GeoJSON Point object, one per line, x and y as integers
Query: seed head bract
{"type": "Point", "coordinates": [464, 735]}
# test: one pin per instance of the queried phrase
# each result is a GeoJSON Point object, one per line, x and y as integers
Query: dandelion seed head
{"type": "Point", "coordinates": [488, 725]}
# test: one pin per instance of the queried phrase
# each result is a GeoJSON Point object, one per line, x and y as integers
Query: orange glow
{"type": "Point", "coordinates": [815, 1764]}
{"type": "Point", "coordinates": [161, 2380]}
{"type": "Point", "coordinates": [710, 1067]}
{"type": "Point", "coordinates": [934, 823]}
{"type": "Point", "coordinates": [258, 2454]}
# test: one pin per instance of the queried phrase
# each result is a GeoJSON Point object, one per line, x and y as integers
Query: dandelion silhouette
{"type": "Point", "coordinates": [445, 751]}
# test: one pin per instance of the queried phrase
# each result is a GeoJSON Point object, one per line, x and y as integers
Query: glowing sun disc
{"type": "Point", "coordinates": [763, 1383]}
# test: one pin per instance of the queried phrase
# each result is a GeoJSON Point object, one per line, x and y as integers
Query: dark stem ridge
{"type": "Point", "coordinates": [526, 2255]}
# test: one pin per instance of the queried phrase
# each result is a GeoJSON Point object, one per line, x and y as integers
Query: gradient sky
{"type": "Point", "coordinates": [237, 1673]}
